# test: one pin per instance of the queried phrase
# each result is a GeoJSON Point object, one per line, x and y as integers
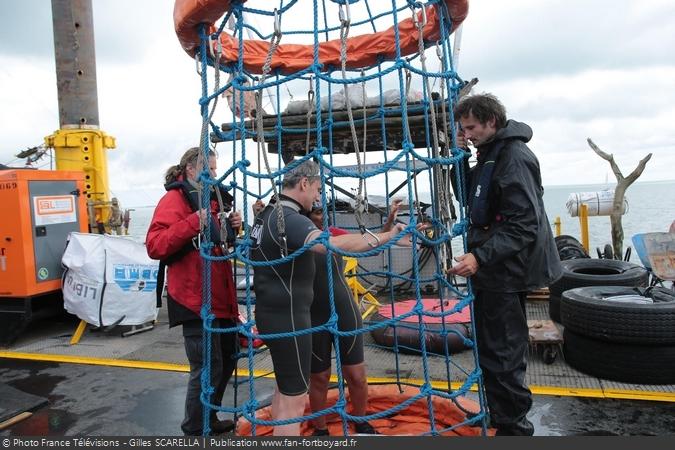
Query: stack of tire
{"type": "Point", "coordinates": [570, 248]}
{"type": "Point", "coordinates": [594, 272]}
{"type": "Point", "coordinates": [620, 333]}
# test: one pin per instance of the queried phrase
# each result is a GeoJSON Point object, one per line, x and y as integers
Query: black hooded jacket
{"type": "Point", "coordinates": [515, 249]}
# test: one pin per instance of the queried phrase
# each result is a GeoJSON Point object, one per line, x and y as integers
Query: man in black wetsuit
{"type": "Point", "coordinates": [284, 292]}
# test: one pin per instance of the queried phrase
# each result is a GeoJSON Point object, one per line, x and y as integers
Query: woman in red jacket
{"type": "Point", "coordinates": [173, 238]}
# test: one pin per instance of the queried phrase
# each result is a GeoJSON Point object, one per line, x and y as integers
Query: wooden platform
{"type": "Point", "coordinates": [544, 332]}
{"type": "Point", "coordinates": [538, 295]}
{"type": "Point", "coordinates": [339, 137]}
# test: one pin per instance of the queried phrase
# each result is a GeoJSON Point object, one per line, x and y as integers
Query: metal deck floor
{"type": "Point", "coordinates": [162, 348]}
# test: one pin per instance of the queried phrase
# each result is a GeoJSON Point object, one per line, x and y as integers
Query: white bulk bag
{"type": "Point", "coordinates": [108, 278]}
{"type": "Point", "coordinates": [599, 203]}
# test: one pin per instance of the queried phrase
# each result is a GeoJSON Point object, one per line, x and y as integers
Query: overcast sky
{"type": "Point", "coordinates": [571, 69]}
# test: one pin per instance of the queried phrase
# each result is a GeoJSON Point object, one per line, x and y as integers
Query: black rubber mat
{"type": "Point", "coordinates": [14, 402]}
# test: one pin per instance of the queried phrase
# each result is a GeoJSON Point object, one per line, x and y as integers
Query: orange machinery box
{"type": "Point", "coordinates": [40, 208]}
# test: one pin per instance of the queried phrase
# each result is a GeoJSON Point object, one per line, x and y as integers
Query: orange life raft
{"type": "Point", "coordinates": [413, 420]}
{"type": "Point", "coordinates": [362, 51]}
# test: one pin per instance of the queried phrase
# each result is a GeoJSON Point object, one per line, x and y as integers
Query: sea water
{"type": "Point", "coordinates": [651, 207]}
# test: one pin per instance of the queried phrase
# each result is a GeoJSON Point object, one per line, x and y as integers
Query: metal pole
{"type": "Point", "coordinates": [558, 226]}
{"type": "Point", "coordinates": [457, 47]}
{"type": "Point", "coordinates": [583, 223]}
{"type": "Point", "coordinates": [75, 63]}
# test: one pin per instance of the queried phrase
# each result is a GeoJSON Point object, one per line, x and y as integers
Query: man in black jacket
{"type": "Point", "coordinates": [511, 251]}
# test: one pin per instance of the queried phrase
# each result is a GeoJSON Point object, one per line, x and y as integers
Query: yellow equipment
{"type": "Point", "coordinates": [84, 150]}
{"type": "Point", "coordinates": [362, 296]}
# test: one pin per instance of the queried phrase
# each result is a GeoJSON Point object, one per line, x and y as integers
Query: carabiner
{"type": "Point", "coordinates": [408, 79]}
{"type": "Point", "coordinates": [310, 92]}
{"type": "Point", "coordinates": [344, 12]}
{"type": "Point", "coordinates": [210, 45]}
{"type": "Point", "coordinates": [365, 231]}
{"type": "Point", "coordinates": [415, 18]}
{"type": "Point", "coordinates": [284, 245]}
{"type": "Point", "coordinates": [277, 23]}
{"type": "Point", "coordinates": [197, 64]}
{"type": "Point", "coordinates": [198, 240]}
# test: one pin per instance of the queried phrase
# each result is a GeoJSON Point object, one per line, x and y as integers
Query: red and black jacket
{"type": "Point", "coordinates": [174, 225]}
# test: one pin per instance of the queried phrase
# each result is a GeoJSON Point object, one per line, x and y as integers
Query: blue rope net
{"type": "Point", "coordinates": [398, 111]}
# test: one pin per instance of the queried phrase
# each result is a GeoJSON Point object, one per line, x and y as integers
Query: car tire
{"type": "Point", "coordinates": [596, 272]}
{"type": "Point", "coordinates": [641, 364]}
{"type": "Point", "coordinates": [590, 311]}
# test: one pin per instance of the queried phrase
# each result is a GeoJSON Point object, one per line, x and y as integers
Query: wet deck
{"type": "Point", "coordinates": [162, 349]}
{"type": "Point", "coordinates": [110, 385]}
{"type": "Point", "coordinates": [88, 400]}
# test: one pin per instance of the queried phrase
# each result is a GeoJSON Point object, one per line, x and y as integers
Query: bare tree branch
{"type": "Point", "coordinates": [638, 170]}
{"type": "Point", "coordinates": [466, 89]}
{"type": "Point", "coordinates": [619, 194]}
{"type": "Point", "coordinates": [608, 157]}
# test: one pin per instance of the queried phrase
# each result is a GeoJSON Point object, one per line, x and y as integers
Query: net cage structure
{"type": "Point", "coordinates": [377, 81]}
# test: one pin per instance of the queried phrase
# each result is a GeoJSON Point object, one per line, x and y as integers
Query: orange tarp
{"type": "Point", "coordinates": [412, 421]}
{"type": "Point", "coordinates": [362, 50]}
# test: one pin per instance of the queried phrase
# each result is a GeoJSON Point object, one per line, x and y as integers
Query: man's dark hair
{"type": "Point", "coordinates": [483, 107]}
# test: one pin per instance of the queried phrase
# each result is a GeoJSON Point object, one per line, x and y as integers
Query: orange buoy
{"type": "Point", "coordinates": [362, 50]}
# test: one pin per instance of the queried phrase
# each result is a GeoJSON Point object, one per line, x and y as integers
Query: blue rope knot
{"type": "Point", "coordinates": [331, 323]}
{"type": "Point", "coordinates": [246, 327]}
{"type": "Point", "coordinates": [426, 389]}
{"type": "Point", "coordinates": [240, 81]}
{"type": "Point", "coordinates": [207, 316]}
{"type": "Point", "coordinates": [418, 308]}
{"type": "Point", "coordinates": [242, 244]}
{"type": "Point", "coordinates": [469, 343]}
{"type": "Point", "coordinates": [252, 406]}
{"type": "Point", "coordinates": [460, 228]}
{"type": "Point", "coordinates": [206, 248]}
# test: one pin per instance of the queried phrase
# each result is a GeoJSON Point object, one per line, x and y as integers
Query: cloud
{"type": "Point", "coordinates": [627, 112]}
{"type": "Point", "coordinates": [26, 28]}
{"type": "Point", "coordinates": [527, 38]}
{"type": "Point", "coordinates": [571, 69]}
{"type": "Point", "coordinates": [121, 28]}
{"type": "Point", "coordinates": [594, 93]}
{"type": "Point", "coordinates": [126, 31]}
